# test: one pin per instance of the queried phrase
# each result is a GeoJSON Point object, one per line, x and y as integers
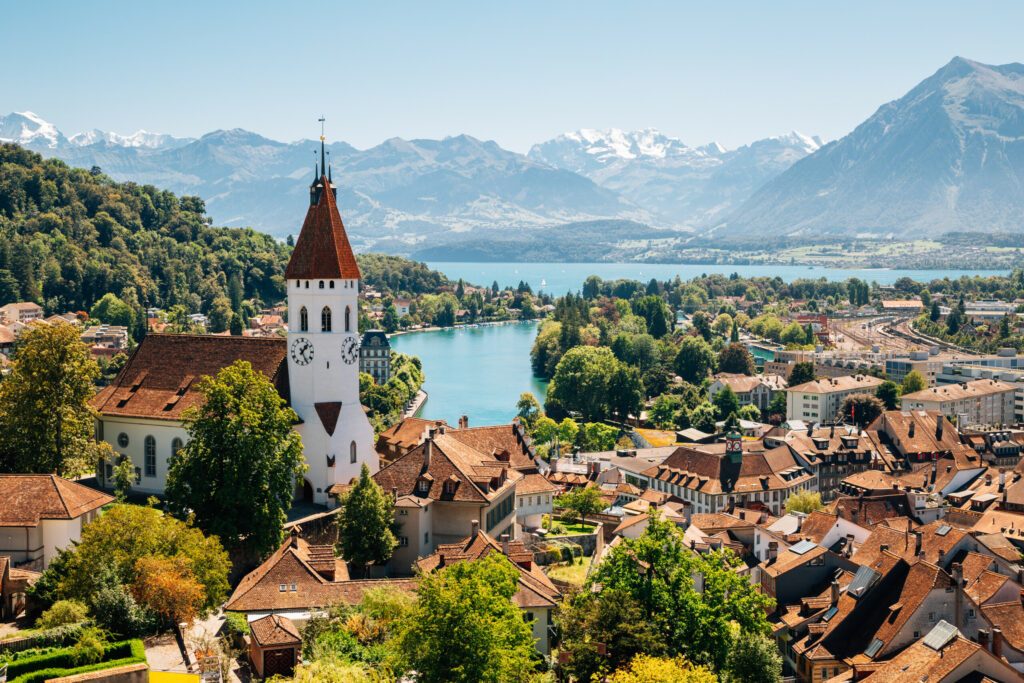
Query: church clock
{"type": "Point", "coordinates": [350, 350]}
{"type": "Point", "coordinates": [302, 351]}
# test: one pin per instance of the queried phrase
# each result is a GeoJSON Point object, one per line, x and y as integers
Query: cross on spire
{"type": "Point", "coordinates": [323, 161]}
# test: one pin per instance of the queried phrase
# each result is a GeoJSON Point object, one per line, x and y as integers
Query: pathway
{"type": "Point", "coordinates": [416, 404]}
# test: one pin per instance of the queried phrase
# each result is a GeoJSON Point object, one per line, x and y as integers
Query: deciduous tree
{"type": "Point", "coordinates": [237, 472]}
{"type": "Point", "coordinates": [694, 360]}
{"type": "Point", "coordinates": [754, 658]}
{"type": "Point", "coordinates": [802, 373]}
{"type": "Point", "coordinates": [726, 402]}
{"type": "Point", "coordinates": [888, 392]}
{"type": "Point", "coordinates": [914, 381]}
{"type": "Point", "coordinates": [167, 587]}
{"type": "Point", "coordinates": [862, 409]}
{"type": "Point", "coordinates": [735, 358]}
{"type": "Point", "coordinates": [804, 501]}
{"type": "Point", "coordinates": [647, 669]}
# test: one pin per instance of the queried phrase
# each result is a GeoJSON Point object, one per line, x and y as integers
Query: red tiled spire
{"type": "Point", "coordinates": [322, 250]}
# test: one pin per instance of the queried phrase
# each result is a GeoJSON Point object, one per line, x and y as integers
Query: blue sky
{"type": "Point", "coordinates": [516, 72]}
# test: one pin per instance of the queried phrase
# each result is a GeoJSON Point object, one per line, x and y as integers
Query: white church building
{"type": "Point", "coordinates": [316, 369]}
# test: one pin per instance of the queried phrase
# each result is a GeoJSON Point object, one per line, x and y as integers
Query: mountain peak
{"type": "Point", "coordinates": [30, 130]}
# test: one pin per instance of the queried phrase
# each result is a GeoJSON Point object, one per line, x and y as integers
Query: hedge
{"type": "Point", "coordinates": [59, 663]}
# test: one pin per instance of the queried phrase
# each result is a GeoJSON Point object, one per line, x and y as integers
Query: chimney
{"type": "Point", "coordinates": [428, 448]}
{"type": "Point", "coordinates": [884, 547]}
{"type": "Point", "coordinates": [942, 554]}
{"type": "Point", "coordinates": [997, 641]}
{"type": "Point", "coordinates": [917, 543]}
{"type": "Point", "coordinates": [474, 528]}
{"type": "Point", "coordinates": [935, 469]}
{"type": "Point", "coordinates": [295, 537]}
{"type": "Point", "coordinates": [835, 592]}
{"type": "Point", "coordinates": [938, 427]}
{"type": "Point", "coordinates": [504, 544]}
{"type": "Point", "coordinates": [911, 432]}
{"type": "Point", "coordinates": [983, 639]}
{"type": "Point", "coordinates": [440, 560]}
{"type": "Point", "coordinates": [773, 550]}
{"type": "Point", "coordinates": [1002, 479]}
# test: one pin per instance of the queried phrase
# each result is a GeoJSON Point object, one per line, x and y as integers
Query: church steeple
{"type": "Point", "coordinates": [322, 250]}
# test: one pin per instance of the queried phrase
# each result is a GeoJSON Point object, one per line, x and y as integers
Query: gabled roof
{"type": "Point", "coordinates": [1009, 617]}
{"type": "Point", "coordinates": [707, 469]}
{"type": "Point", "coordinates": [508, 437]}
{"type": "Point", "coordinates": [29, 498]}
{"type": "Point", "coordinates": [298, 563]}
{"type": "Point", "coordinates": [322, 249]}
{"type": "Point", "coordinates": [160, 379]}
{"type": "Point", "coordinates": [274, 629]}
{"type": "Point", "coordinates": [828, 385]}
{"type": "Point", "coordinates": [919, 662]}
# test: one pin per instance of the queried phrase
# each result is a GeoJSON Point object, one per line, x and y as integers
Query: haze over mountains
{"type": "Point", "coordinates": [949, 155]}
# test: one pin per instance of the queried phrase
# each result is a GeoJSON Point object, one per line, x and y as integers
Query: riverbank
{"type": "Point", "coordinates": [464, 326]}
{"type": "Point", "coordinates": [415, 405]}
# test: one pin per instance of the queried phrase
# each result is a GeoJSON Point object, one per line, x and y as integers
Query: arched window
{"type": "Point", "coordinates": [176, 445]}
{"type": "Point", "coordinates": [348, 319]}
{"type": "Point", "coordinates": [352, 452]}
{"type": "Point", "coordinates": [307, 284]}
{"type": "Point", "coordinates": [325, 319]}
{"type": "Point", "coordinates": [332, 284]}
{"type": "Point", "coordinates": [150, 453]}
{"type": "Point", "coordinates": [303, 320]}
{"type": "Point", "coordinates": [321, 284]}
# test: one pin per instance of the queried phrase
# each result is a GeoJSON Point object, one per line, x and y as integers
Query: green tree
{"type": "Point", "coordinates": [364, 526]}
{"type": "Point", "coordinates": [581, 381]}
{"type": "Point", "coordinates": [659, 571]}
{"type": "Point", "coordinates": [112, 545]}
{"type": "Point", "coordinates": [664, 410]}
{"type": "Point", "coordinates": [754, 659]}
{"type": "Point", "coordinates": [726, 403]}
{"type": "Point", "coordinates": [702, 323]}
{"type": "Point", "coordinates": [390, 320]}
{"type": "Point", "coordinates": [694, 360]}
{"type": "Point", "coordinates": [44, 404]}
{"type": "Point", "coordinates": [595, 436]}
{"type": "Point", "coordinates": [777, 406]}
{"type": "Point", "coordinates": [612, 618]}
{"type": "Point", "coordinates": [914, 381]}
{"type": "Point", "coordinates": [582, 501]}
{"type": "Point", "coordinates": [112, 311]}
{"type": "Point", "coordinates": [625, 392]}
{"type": "Point", "coordinates": [235, 325]}
{"type": "Point", "coordinates": [220, 314]}
{"type": "Point", "coordinates": [734, 334]}
{"type": "Point", "coordinates": [749, 412]}
{"type": "Point", "coordinates": [735, 358]}
{"type": "Point", "coordinates": [237, 472]}
{"type": "Point", "coordinates": [465, 628]}
{"type": "Point", "coordinates": [124, 477]}
{"type": "Point", "coordinates": [888, 392]}
{"type": "Point", "coordinates": [804, 501]}
{"type": "Point", "coordinates": [793, 333]}
{"type": "Point", "coordinates": [934, 314]}
{"type": "Point", "coordinates": [528, 409]}
{"type": "Point", "coordinates": [802, 373]}
{"type": "Point", "coordinates": [862, 409]}
{"type": "Point", "coordinates": [703, 417]}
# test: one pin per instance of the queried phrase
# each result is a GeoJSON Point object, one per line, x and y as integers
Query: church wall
{"type": "Point", "coordinates": [163, 432]}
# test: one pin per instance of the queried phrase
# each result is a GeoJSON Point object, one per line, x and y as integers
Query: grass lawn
{"type": "Point", "coordinates": [573, 528]}
{"type": "Point", "coordinates": [575, 573]}
{"type": "Point", "coordinates": [658, 437]}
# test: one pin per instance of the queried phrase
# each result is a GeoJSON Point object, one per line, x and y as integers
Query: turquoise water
{"type": "Point", "coordinates": [477, 371]}
{"type": "Point", "coordinates": [564, 277]}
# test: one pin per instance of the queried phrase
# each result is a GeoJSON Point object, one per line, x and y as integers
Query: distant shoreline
{"type": "Point", "coordinates": [493, 323]}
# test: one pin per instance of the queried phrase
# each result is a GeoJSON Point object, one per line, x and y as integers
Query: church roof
{"type": "Point", "coordinates": [322, 249]}
{"type": "Point", "coordinates": [160, 379]}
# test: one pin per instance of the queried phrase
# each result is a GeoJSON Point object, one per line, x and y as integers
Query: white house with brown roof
{"type": "Point", "coordinates": [756, 390]}
{"type": "Point", "coordinates": [821, 399]}
{"type": "Point", "coordinates": [981, 402]}
{"type": "Point", "coordinates": [20, 312]}
{"type": "Point", "coordinates": [41, 514]}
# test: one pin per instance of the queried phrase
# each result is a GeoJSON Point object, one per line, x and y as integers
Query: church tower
{"type": "Point", "coordinates": [323, 345]}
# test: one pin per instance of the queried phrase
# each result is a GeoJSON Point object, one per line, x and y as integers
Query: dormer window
{"type": "Point", "coordinates": [422, 486]}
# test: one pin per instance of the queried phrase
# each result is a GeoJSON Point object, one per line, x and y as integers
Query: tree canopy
{"type": "Point", "coordinates": [237, 472]}
{"type": "Point", "coordinates": [364, 526]}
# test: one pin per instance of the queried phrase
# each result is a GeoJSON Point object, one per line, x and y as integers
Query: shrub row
{"type": "Point", "coordinates": [58, 663]}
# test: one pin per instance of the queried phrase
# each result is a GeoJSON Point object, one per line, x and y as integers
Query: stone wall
{"type": "Point", "coordinates": [130, 673]}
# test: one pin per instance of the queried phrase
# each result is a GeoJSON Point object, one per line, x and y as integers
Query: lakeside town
{"type": "Point", "coordinates": [729, 478]}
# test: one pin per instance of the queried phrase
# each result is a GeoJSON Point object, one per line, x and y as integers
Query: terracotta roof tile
{"type": "Point", "coordinates": [274, 629]}
{"type": "Point", "coordinates": [322, 249]}
{"type": "Point", "coordinates": [29, 498]}
{"type": "Point", "coordinates": [159, 381]}
{"type": "Point", "coordinates": [1008, 616]}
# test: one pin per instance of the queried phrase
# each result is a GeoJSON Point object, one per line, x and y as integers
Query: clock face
{"type": "Point", "coordinates": [302, 351]}
{"type": "Point", "coordinates": [350, 350]}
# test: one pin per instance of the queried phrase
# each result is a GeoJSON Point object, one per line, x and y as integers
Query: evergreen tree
{"type": "Point", "coordinates": [802, 373]}
{"type": "Point", "coordinates": [726, 403]}
{"type": "Point", "coordinates": [364, 527]}
{"type": "Point", "coordinates": [888, 392]}
{"type": "Point", "coordinates": [237, 472]}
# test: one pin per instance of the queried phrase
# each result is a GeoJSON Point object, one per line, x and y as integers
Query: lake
{"type": "Point", "coordinates": [559, 278]}
{"type": "Point", "coordinates": [474, 371]}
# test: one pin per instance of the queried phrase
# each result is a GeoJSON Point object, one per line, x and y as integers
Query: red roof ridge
{"type": "Point", "coordinates": [322, 249]}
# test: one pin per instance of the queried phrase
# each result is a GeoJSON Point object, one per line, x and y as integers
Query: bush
{"type": "Point", "coordinates": [236, 624]}
{"type": "Point", "coordinates": [62, 613]}
{"type": "Point", "coordinates": [42, 666]}
{"type": "Point", "coordinates": [90, 648]}
{"type": "Point", "coordinates": [114, 609]}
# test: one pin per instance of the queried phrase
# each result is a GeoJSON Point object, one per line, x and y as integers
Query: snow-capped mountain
{"type": "Point", "coordinates": [948, 155]}
{"type": "Point", "coordinates": [29, 130]}
{"type": "Point", "coordinates": [140, 138]}
{"type": "Point", "coordinates": [680, 184]}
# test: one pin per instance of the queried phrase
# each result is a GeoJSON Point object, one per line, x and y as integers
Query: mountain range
{"type": "Point", "coordinates": [947, 156]}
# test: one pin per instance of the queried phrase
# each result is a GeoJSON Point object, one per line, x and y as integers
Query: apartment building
{"type": "Point", "coordinates": [821, 399]}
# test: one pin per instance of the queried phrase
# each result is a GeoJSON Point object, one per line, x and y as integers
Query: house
{"type": "Point", "coordinates": [42, 514]}
{"type": "Point", "coordinates": [943, 655]}
{"type": "Point", "coordinates": [14, 585]}
{"type": "Point", "coordinates": [443, 484]}
{"type": "Point", "coordinates": [300, 580]}
{"type": "Point", "coordinates": [375, 356]}
{"type": "Point", "coordinates": [820, 400]}
{"type": "Point", "coordinates": [832, 452]}
{"type": "Point", "coordinates": [315, 369]}
{"type": "Point", "coordinates": [402, 307]}
{"type": "Point", "coordinates": [7, 340]}
{"type": "Point", "coordinates": [275, 646]}
{"type": "Point", "coordinates": [805, 566]}
{"type": "Point", "coordinates": [534, 499]}
{"type": "Point", "coordinates": [536, 595]}
{"type": "Point", "coordinates": [719, 476]}
{"type": "Point", "coordinates": [756, 390]}
{"type": "Point", "coordinates": [981, 402]}
{"type": "Point", "coordinates": [403, 436]}
{"type": "Point", "coordinates": [21, 312]}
